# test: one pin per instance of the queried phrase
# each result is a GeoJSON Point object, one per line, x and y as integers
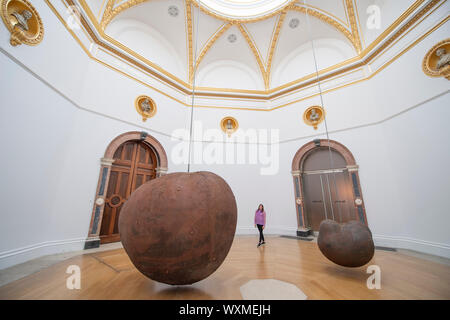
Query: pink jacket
{"type": "Point", "coordinates": [260, 217]}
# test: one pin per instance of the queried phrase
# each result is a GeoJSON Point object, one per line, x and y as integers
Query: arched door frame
{"type": "Point", "coordinates": [93, 240]}
{"type": "Point", "coordinates": [297, 174]}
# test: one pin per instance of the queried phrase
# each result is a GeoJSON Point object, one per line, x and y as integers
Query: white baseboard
{"type": "Point", "coordinates": [433, 248]}
{"type": "Point", "coordinates": [268, 230]}
{"type": "Point", "coordinates": [20, 255]}
{"type": "Point", "coordinates": [428, 247]}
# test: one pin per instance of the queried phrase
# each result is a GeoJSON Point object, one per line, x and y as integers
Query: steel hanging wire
{"type": "Point", "coordinates": [194, 70]}
{"type": "Point", "coordinates": [324, 115]}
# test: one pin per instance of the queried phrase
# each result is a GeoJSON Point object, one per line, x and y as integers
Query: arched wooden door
{"type": "Point", "coordinates": [134, 164]}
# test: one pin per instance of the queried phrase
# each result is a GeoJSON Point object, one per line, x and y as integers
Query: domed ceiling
{"type": "Point", "coordinates": [258, 46]}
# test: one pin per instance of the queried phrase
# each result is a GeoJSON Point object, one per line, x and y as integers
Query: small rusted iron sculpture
{"type": "Point", "coordinates": [347, 244]}
{"type": "Point", "coordinates": [178, 229]}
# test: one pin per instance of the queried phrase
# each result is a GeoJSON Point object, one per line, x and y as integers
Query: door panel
{"type": "Point", "coordinates": [327, 191]}
{"type": "Point", "coordinates": [134, 164]}
{"type": "Point", "coordinates": [315, 203]}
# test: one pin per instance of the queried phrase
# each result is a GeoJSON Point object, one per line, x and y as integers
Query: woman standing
{"type": "Point", "coordinates": [260, 222]}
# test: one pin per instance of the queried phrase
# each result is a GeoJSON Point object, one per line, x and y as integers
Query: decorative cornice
{"type": "Point", "coordinates": [328, 73]}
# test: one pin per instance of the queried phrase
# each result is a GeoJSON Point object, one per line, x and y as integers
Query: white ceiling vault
{"type": "Point", "coordinates": [240, 45]}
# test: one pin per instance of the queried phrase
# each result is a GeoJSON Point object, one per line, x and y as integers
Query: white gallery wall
{"type": "Point", "coordinates": [60, 110]}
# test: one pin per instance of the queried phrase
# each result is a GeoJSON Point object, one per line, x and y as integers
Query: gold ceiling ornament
{"type": "Point", "coordinates": [145, 106]}
{"type": "Point", "coordinates": [229, 125]}
{"type": "Point", "coordinates": [437, 60]}
{"type": "Point", "coordinates": [22, 21]}
{"type": "Point", "coordinates": [313, 116]}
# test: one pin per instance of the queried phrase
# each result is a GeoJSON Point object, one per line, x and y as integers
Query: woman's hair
{"type": "Point", "coordinates": [261, 205]}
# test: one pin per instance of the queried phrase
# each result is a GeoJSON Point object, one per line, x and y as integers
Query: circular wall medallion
{"type": "Point", "coordinates": [145, 106]}
{"type": "Point", "coordinates": [313, 116]}
{"type": "Point", "coordinates": [229, 125]}
{"type": "Point", "coordinates": [437, 60]}
{"type": "Point", "coordinates": [22, 21]}
{"type": "Point", "coordinates": [358, 201]}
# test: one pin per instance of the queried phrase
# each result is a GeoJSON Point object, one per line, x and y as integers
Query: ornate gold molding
{"type": "Point", "coordinates": [210, 43]}
{"type": "Point", "coordinates": [354, 25]}
{"type": "Point", "coordinates": [313, 116]}
{"type": "Point", "coordinates": [352, 64]}
{"type": "Point", "coordinates": [190, 40]}
{"type": "Point", "coordinates": [22, 21]}
{"type": "Point", "coordinates": [108, 13]}
{"type": "Point", "coordinates": [329, 20]}
{"type": "Point", "coordinates": [273, 44]}
{"type": "Point", "coordinates": [437, 60]}
{"type": "Point", "coordinates": [229, 125]}
{"type": "Point", "coordinates": [256, 54]}
{"type": "Point", "coordinates": [145, 106]}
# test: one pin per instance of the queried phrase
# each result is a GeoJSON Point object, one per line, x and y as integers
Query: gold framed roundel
{"type": "Point", "coordinates": [313, 116]}
{"type": "Point", "coordinates": [229, 125]}
{"type": "Point", "coordinates": [145, 106]}
{"type": "Point", "coordinates": [22, 21]}
{"type": "Point", "coordinates": [437, 60]}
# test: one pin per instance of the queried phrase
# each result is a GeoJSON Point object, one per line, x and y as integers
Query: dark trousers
{"type": "Point", "coordinates": [261, 236]}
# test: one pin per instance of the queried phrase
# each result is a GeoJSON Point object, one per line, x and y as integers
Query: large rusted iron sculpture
{"type": "Point", "coordinates": [347, 244]}
{"type": "Point", "coordinates": [178, 229]}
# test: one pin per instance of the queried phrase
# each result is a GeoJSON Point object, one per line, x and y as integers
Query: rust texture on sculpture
{"type": "Point", "coordinates": [347, 244]}
{"type": "Point", "coordinates": [178, 229]}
